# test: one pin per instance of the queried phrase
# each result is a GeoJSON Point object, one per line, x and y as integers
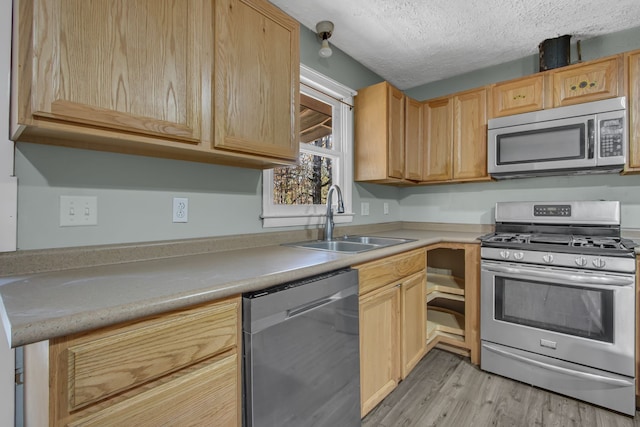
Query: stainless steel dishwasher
{"type": "Point", "coordinates": [301, 353]}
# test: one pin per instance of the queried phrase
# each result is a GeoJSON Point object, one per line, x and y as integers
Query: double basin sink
{"type": "Point", "coordinates": [351, 244]}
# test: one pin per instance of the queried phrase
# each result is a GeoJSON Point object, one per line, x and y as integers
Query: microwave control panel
{"type": "Point", "coordinates": [611, 137]}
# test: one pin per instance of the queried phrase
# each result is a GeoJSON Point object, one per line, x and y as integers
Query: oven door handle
{"type": "Point", "coordinates": [560, 369]}
{"type": "Point", "coordinates": [582, 279]}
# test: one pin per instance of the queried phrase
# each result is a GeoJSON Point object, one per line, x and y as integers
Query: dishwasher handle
{"type": "Point", "coordinates": [301, 309]}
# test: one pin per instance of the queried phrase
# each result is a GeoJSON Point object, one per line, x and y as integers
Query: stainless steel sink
{"type": "Point", "coordinates": [350, 244]}
{"type": "Point", "coordinates": [374, 240]}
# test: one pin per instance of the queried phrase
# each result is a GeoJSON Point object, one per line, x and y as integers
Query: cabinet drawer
{"type": "Point", "coordinates": [375, 274]}
{"type": "Point", "coordinates": [197, 398]}
{"type": "Point", "coordinates": [117, 359]}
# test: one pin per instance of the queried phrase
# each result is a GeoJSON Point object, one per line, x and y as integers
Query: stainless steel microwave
{"type": "Point", "coordinates": [578, 139]}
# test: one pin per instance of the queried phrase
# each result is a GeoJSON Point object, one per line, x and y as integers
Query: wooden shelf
{"type": "Point", "coordinates": [446, 283]}
{"type": "Point", "coordinates": [440, 320]}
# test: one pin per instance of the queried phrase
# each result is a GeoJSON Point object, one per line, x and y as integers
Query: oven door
{"type": "Point", "coordinates": [585, 317]}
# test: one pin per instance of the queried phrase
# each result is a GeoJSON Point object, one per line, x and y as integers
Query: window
{"type": "Point", "coordinates": [297, 195]}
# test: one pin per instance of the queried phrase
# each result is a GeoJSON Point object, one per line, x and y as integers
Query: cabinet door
{"type": "Point", "coordinates": [413, 139]}
{"type": "Point", "coordinates": [379, 346]}
{"type": "Point", "coordinates": [135, 67]}
{"type": "Point", "coordinates": [470, 135]}
{"type": "Point", "coordinates": [438, 123]}
{"type": "Point", "coordinates": [632, 61]}
{"type": "Point", "coordinates": [590, 82]}
{"type": "Point", "coordinates": [396, 133]}
{"type": "Point", "coordinates": [414, 321]}
{"type": "Point", "coordinates": [517, 96]}
{"type": "Point", "coordinates": [256, 79]}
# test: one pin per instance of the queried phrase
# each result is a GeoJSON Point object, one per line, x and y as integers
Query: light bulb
{"type": "Point", "coordinates": [325, 50]}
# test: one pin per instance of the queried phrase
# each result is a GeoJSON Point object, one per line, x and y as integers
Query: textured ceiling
{"type": "Point", "coordinates": [412, 42]}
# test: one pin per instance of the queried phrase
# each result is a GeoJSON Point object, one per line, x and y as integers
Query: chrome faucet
{"type": "Point", "coordinates": [328, 225]}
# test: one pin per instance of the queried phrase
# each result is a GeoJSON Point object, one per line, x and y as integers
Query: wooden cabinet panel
{"type": "Point", "coordinates": [206, 396]}
{"type": "Point", "coordinates": [181, 367]}
{"type": "Point", "coordinates": [121, 68]}
{"type": "Point", "coordinates": [438, 122]}
{"type": "Point", "coordinates": [256, 79]}
{"type": "Point", "coordinates": [379, 134]}
{"type": "Point", "coordinates": [197, 80]}
{"type": "Point", "coordinates": [470, 135]}
{"type": "Point", "coordinates": [379, 273]}
{"type": "Point", "coordinates": [632, 69]}
{"type": "Point", "coordinates": [379, 346]}
{"type": "Point", "coordinates": [414, 321]}
{"type": "Point", "coordinates": [413, 139]}
{"type": "Point", "coordinates": [518, 96]}
{"type": "Point", "coordinates": [396, 133]}
{"type": "Point", "coordinates": [388, 135]}
{"type": "Point", "coordinates": [100, 368]}
{"type": "Point", "coordinates": [595, 80]}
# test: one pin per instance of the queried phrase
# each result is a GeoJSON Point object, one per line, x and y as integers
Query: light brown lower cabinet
{"type": "Point", "coordinates": [179, 368]}
{"type": "Point", "coordinates": [392, 323]}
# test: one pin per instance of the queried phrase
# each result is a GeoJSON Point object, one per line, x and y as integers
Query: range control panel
{"type": "Point", "coordinates": [552, 210]}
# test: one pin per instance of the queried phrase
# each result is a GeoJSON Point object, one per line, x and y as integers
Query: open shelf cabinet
{"type": "Point", "coordinates": [452, 295]}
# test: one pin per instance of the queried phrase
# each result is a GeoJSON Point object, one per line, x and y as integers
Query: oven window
{"type": "Point", "coordinates": [572, 310]}
{"type": "Point", "coordinates": [542, 145]}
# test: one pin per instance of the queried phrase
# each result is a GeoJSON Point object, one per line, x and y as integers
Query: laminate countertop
{"type": "Point", "coordinates": [37, 307]}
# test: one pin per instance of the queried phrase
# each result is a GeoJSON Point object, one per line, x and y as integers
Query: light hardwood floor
{"type": "Point", "coordinates": [447, 390]}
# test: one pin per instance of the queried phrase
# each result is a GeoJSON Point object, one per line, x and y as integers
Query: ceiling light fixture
{"type": "Point", "coordinates": [324, 30]}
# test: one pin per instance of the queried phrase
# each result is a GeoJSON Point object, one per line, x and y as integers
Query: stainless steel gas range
{"type": "Point", "coordinates": [558, 300]}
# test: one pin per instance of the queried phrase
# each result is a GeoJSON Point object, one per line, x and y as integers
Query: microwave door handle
{"type": "Point", "coordinates": [580, 279]}
{"type": "Point", "coordinates": [591, 138]}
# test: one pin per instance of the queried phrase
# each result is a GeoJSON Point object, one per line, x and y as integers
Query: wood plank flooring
{"type": "Point", "coordinates": [447, 390]}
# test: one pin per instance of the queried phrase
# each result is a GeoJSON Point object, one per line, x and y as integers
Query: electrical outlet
{"type": "Point", "coordinates": [364, 208]}
{"type": "Point", "coordinates": [180, 209]}
{"type": "Point", "coordinates": [78, 211]}
{"type": "Point", "coordinates": [385, 208]}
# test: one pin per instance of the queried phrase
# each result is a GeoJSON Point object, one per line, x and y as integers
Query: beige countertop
{"type": "Point", "coordinates": [41, 306]}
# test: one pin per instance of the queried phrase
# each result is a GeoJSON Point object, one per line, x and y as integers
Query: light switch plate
{"type": "Point", "coordinates": [78, 211]}
{"type": "Point", "coordinates": [364, 208]}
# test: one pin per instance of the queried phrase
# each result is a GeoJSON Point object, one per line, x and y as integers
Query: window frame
{"type": "Point", "coordinates": [340, 98]}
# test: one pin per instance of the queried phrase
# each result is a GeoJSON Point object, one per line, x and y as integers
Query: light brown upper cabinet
{"type": "Point", "coordinates": [438, 123]}
{"type": "Point", "coordinates": [413, 139]}
{"type": "Point", "coordinates": [456, 138]}
{"type": "Point", "coordinates": [585, 82]}
{"type": "Point", "coordinates": [139, 77]}
{"type": "Point", "coordinates": [379, 134]}
{"type": "Point", "coordinates": [632, 78]}
{"type": "Point", "coordinates": [518, 96]}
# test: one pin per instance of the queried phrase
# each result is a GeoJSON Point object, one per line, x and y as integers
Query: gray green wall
{"type": "Point", "coordinates": [596, 47]}
{"type": "Point", "coordinates": [134, 193]}
{"type": "Point", "coordinates": [474, 203]}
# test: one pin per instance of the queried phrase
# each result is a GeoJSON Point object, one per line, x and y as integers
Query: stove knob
{"type": "Point", "coordinates": [518, 255]}
{"type": "Point", "coordinates": [599, 263]}
{"type": "Point", "coordinates": [504, 254]}
{"type": "Point", "coordinates": [548, 258]}
{"type": "Point", "coordinates": [581, 261]}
